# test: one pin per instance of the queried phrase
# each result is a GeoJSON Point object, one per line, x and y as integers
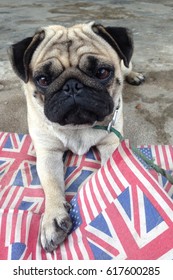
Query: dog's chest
{"type": "Point", "coordinates": [80, 141]}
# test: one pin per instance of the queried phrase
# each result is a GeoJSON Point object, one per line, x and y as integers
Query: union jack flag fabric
{"type": "Point", "coordinates": [122, 210]}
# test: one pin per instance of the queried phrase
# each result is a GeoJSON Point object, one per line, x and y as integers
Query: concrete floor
{"type": "Point", "coordinates": [148, 109]}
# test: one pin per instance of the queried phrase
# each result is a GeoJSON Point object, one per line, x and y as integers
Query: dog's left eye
{"type": "Point", "coordinates": [103, 73]}
{"type": "Point", "coordinates": [43, 81]}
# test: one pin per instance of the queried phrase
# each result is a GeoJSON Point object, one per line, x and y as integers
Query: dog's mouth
{"type": "Point", "coordinates": [85, 107]}
{"type": "Point", "coordinates": [78, 116]}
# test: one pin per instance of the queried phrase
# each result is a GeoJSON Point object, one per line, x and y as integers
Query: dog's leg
{"type": "Point", "coordinates": [107, 146]}
{"type": "Point", "coordinates": [132, 77]}
{"type": "Point", "coordinates": [56, 222]}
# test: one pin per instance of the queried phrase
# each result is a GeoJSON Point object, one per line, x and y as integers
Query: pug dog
{"type": "Point", "coordinates": [73, 79]}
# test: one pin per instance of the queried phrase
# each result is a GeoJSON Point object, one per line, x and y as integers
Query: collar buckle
{"type": "Point", "coordinates": [112, 122]}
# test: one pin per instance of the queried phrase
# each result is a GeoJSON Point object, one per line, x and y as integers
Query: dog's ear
{"type": "Point", "coordinates": [20, 54]}
{"type": "Point", "coordinates": [119, 38]}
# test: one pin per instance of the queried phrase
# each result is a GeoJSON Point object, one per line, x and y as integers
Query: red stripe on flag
{"type": "Point", "coordinates": [87, 203]}
{"type": "Point", "coordinates": [93, 194]}
{"type": "Point", "coordinates": [34, 234]}
{"type": "Point", "coordinates": [102, 243]}
{"type": "Point", "coordinates": [23, 229]}
{"type": "Point", "coordinates": [14, 141]}
{"type": "Point", "coordinates": [106, 181]}
{"type": "Point", "coordinates": [68, 158]}
{"type": "Point", "coordinates": [136, 212]}
{"type": "Point", "coordinates": [157, 155]}
{"type": "Point", "coordinates": [115, 177]}
{"type": "Point", "coordinates": [13, 226]}
{"type": "Point", "coordinates": [101, 189]}
{"type": "Point", "coordinates": [165, 156]}
{"type": "Point", "coordinates": [68, 251]}
{"type": "Point", "coordinates": [72, 175]}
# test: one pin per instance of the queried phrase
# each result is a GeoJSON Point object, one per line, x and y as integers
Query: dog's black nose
{"type": "Point", "coordinates": [72, 87]}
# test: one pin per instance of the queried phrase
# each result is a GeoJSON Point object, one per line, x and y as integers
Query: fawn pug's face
{"type": "Point", "coordinates": [75, 72]}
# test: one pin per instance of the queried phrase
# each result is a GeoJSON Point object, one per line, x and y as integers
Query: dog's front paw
{"type": "Point", "coordinates": [135, 78]}
{"type": "Point", "coordinates": [54, 230]}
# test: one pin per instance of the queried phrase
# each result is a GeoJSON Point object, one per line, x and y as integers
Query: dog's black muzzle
{"type": "Point", "coordinates": [74, 98]}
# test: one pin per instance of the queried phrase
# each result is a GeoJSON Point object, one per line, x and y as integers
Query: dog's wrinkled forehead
{"type": "Point", "coordinates": [69, 45]}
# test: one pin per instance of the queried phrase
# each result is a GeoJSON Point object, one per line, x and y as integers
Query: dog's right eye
{"type": "Point", "coordinates": [43, 81]}
{"type": "Point", "coordinates": [103, 73]}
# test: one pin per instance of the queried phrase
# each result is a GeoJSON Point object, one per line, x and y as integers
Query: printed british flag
{"type": "Point", "coordinates": [121, 210]}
